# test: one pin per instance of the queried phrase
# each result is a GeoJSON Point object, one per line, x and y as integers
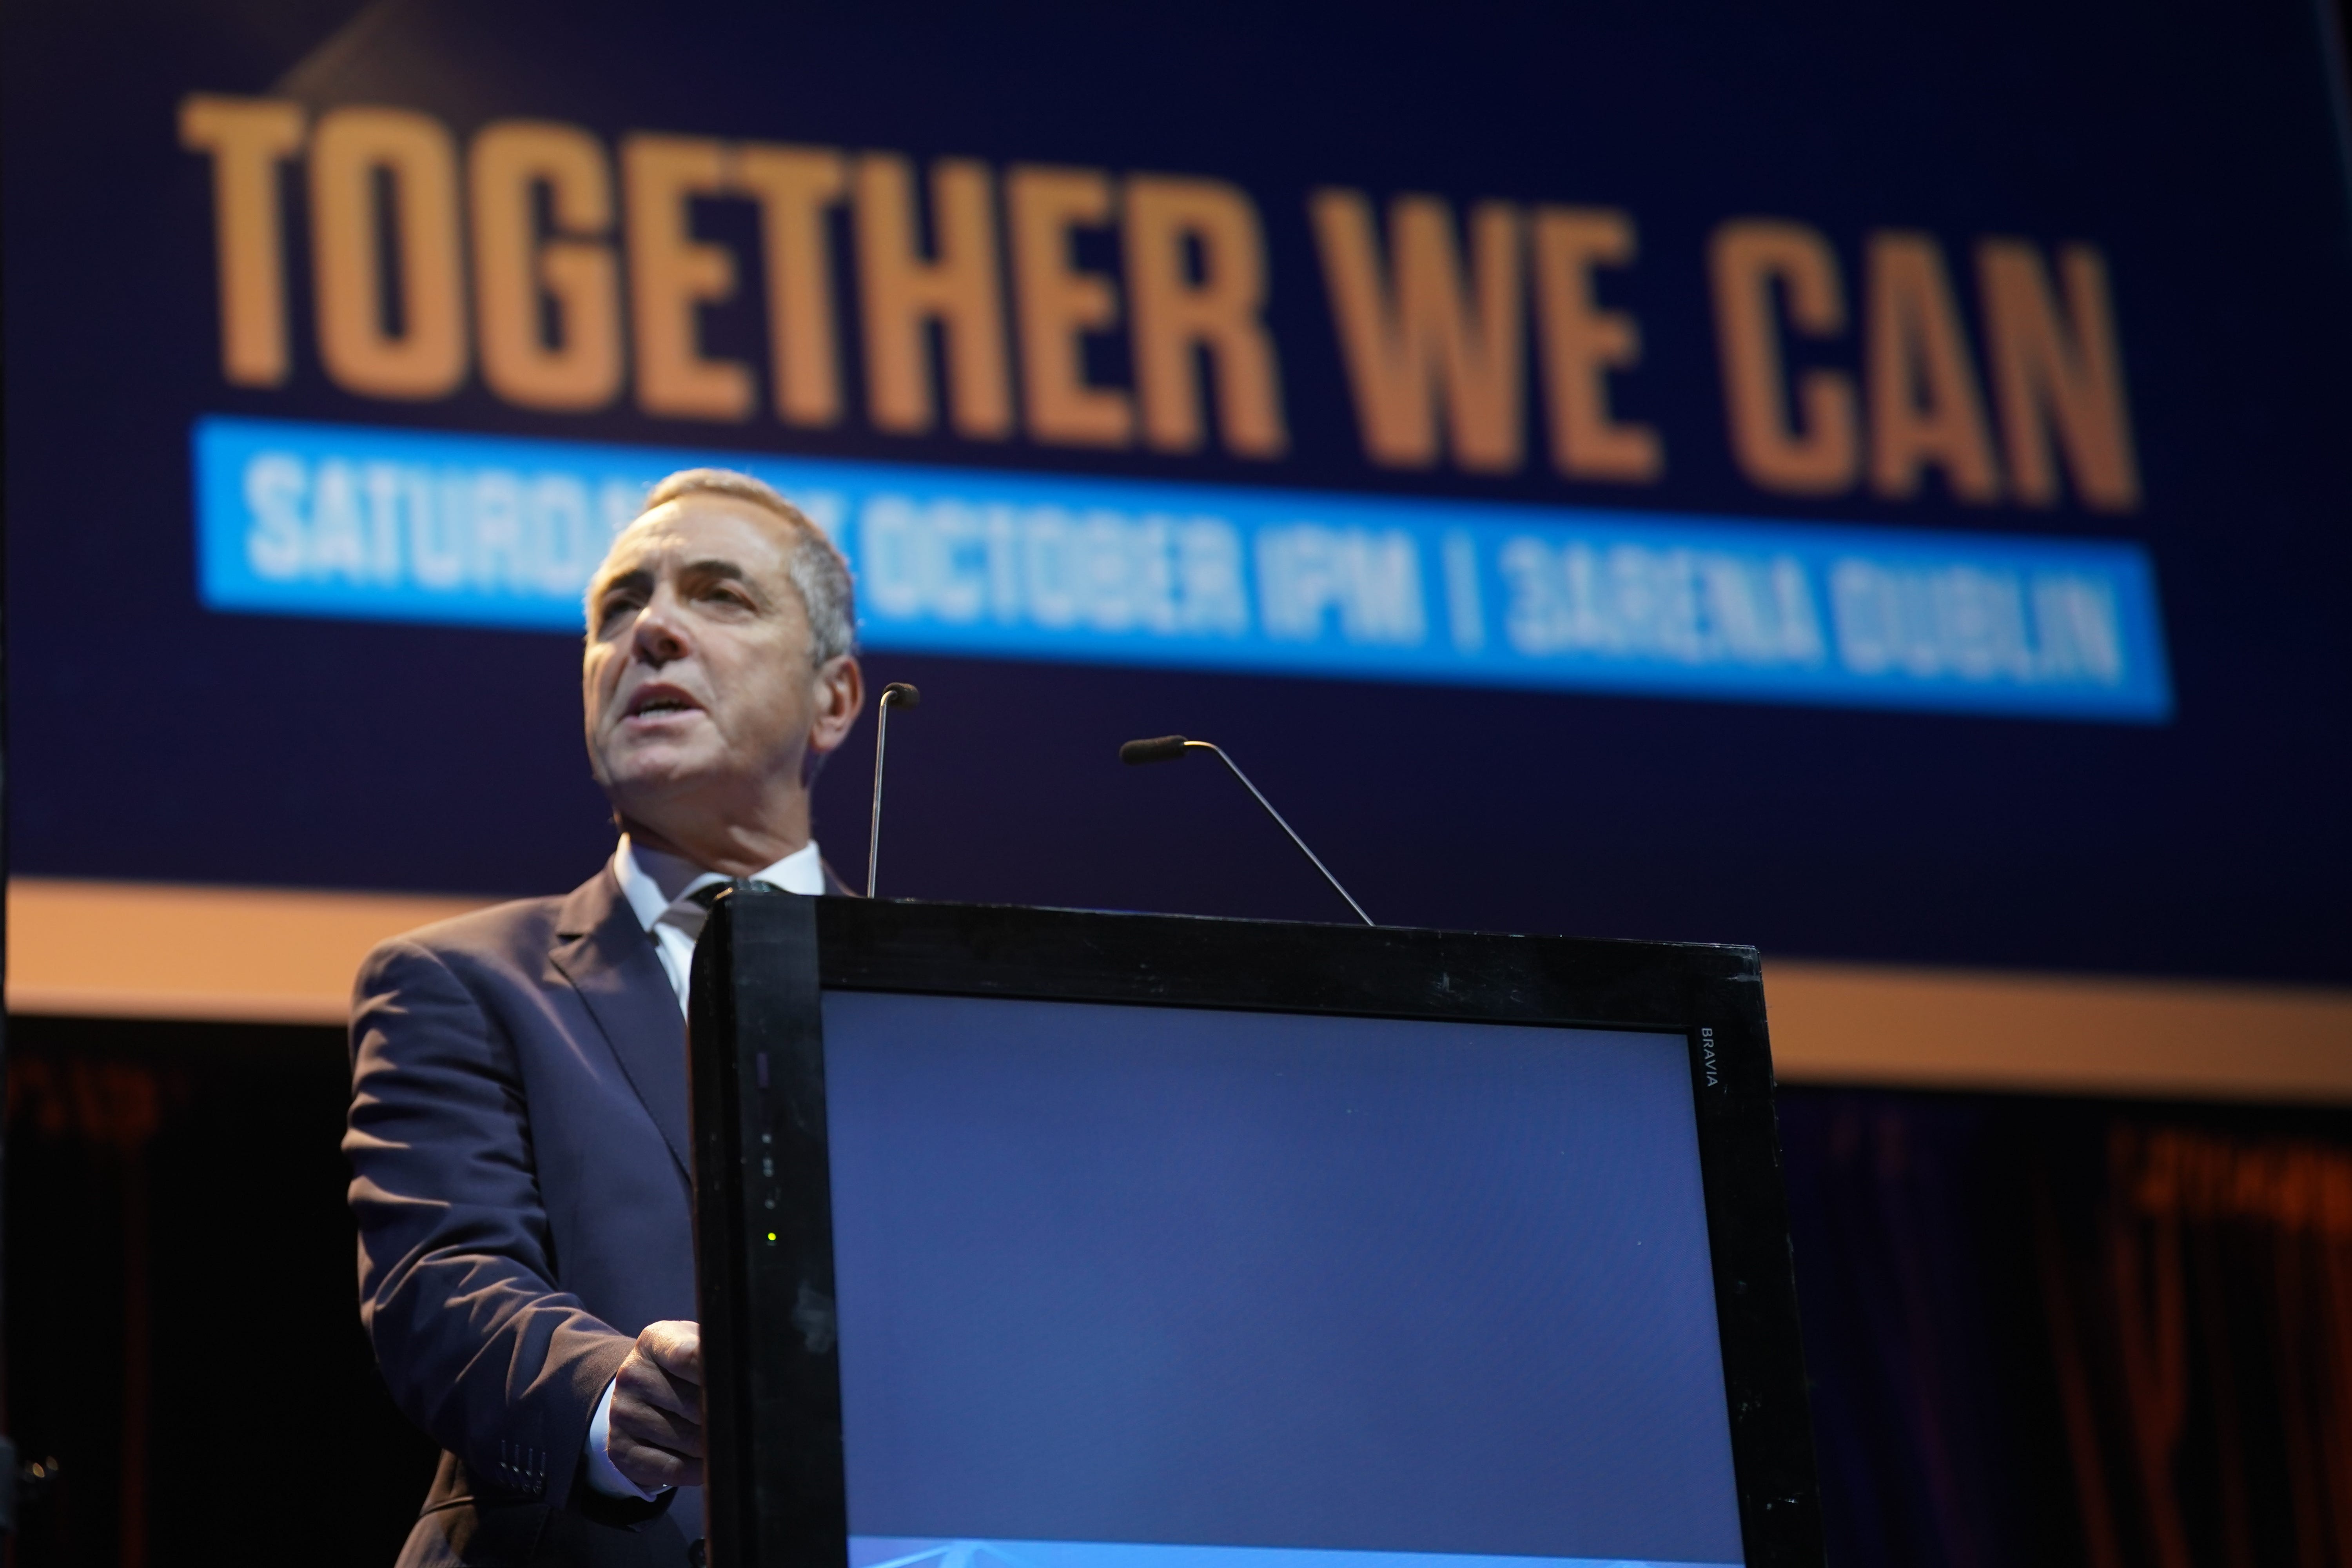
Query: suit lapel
{"type": "Point", "coordinates": [611, 962]}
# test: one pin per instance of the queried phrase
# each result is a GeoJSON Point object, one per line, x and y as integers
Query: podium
{"type": "Point", "coordinates": [1064, 1239]}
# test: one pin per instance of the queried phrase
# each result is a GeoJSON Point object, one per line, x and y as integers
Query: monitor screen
{"type": "Point", "coordinates": [1133, 1286]}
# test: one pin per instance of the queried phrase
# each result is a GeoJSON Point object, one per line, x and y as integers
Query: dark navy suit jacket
{"type": "Point", "coordinates": [520, 1157]}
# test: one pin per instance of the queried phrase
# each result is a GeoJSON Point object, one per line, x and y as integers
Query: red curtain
{"type": "Point", "coordinates": [2203, 1344]}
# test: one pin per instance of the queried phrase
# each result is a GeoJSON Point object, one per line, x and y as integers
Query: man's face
{"type": "Point", "coordinates": [698, 688]}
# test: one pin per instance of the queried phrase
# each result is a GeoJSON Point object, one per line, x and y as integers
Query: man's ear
{"type": "Point", "coordinates": [840, 687]}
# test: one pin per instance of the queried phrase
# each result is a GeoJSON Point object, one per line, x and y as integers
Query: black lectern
{"type": "Point", "coordinates": [1079, 1240]}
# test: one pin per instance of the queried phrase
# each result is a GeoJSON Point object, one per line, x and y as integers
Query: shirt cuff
{"type": "Point", "coordinates": [603, 1474]}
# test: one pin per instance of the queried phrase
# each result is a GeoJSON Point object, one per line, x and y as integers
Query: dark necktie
{"type": "Point", "coordinates": [707, 894]}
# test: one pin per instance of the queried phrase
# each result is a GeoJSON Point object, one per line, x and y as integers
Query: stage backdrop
{"type": "Point", "coordinates": [1869, 484]}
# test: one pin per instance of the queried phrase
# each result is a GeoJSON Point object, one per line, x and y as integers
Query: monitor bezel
{"type": "Point", "coordinates": [762, 1187]}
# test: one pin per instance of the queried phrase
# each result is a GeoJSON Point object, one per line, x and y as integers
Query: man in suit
{"type": "Point", "coordinates": [518, 1130]}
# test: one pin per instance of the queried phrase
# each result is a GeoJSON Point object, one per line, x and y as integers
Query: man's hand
{"type": "Point", "coordinates": [655, 1435]}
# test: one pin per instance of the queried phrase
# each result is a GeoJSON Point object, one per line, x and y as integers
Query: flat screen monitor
{"type": "Point", "coordinates": [1108, 1241]}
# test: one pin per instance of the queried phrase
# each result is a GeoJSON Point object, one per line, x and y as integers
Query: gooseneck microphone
{"type": "Point", "coordinates": [1168, 748]}
{"type": "Point", "coordinates": [897, 694]}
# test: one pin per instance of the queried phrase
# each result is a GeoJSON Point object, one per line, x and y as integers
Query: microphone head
{"type": "Point", "coordinates": [907, 697]}
{"type": "Point", "coordinates": [1162, 748]}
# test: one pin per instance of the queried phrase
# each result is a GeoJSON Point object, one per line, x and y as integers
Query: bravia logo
{"type": "Point", "coordinates": [1706, 1056]}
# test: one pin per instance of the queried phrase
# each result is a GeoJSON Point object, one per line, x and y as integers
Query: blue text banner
{"type": "Point", "coordinates": [356, 523]}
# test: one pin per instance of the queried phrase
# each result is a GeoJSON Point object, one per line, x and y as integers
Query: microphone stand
{"type": "Point", "coordinates": [907, 697]}
{"type": "Point", "coordinates": [1168, 748]}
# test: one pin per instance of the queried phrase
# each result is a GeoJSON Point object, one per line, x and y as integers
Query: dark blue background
{"type": "Point", "coordinates": [1125, 1274]}
{"type": "Point", "coordinates": [2196, 143]}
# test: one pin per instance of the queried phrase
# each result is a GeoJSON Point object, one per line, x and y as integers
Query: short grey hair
{"type": "Point", "coordinates": [816, 564]}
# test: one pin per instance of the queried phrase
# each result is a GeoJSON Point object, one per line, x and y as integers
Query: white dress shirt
{"type": "Point", "coordinates": [659, 889]}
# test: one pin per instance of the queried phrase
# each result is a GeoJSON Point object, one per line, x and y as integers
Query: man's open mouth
{"type": "Point", "coordinates": [651, 704]}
